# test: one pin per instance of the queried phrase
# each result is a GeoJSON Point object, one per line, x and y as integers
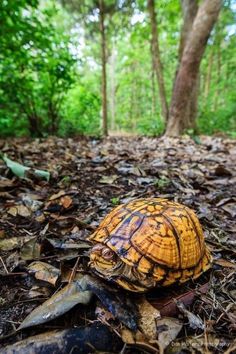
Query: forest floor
{"type": "Point", "coordinates": [48, 221]}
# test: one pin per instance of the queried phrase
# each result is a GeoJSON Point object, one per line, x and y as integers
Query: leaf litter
{"type": "Point", "coordinates": [44, 224]}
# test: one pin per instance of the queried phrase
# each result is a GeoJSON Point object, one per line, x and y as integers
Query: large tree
{"type": "Point", "coordinates": [188, 71]}
{"type": "Point", "coordinates": [156, 58]}
{"type": "Point", "coordinates": [97, 17]}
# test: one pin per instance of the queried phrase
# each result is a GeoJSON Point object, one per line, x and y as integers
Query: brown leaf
{"type": "Point", "coordinates": [108, 179]}
{"type": "Point", "coordinates": [230, 208]}
{"type": "Point", "coordinates": [224, 263]}
{"type": "Point", "coordinates": [57, 305]}
{"type": "Point", "coordinates": [148, 316]}
{"type": "Point", "coordinates": [7, 183]}
{"type": "Point", "coordinates": [19, 210]}
{"type": "Point", "coordinates": [8, 244]}
{"type": "Point", "coordinates": [44, 271]}
{"type": "Point", "coordinates": [66, 201]}
{"type": "Point", "coordinates": [221, 170]}
{"type": "Point", "coordinates": [31, 249]}
{"type": "Point", "coordinates": [57, 195]}
{"type": "Point", "coordinates": [194, 321]}
{"type": "Point", "coordinates": [167, 328]}
{"type": "Point", "coordinates": [166, 304]}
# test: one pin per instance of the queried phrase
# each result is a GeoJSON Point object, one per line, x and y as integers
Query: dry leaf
{"type": "Point", "coordinates": [167, 328]}
{"type": "Point", "coordinates": [127, 336]}
{"type": "Point", "coordinates": [44, 271]}
{"type": "Point", "coordinates": [66, 201]}
{"type": "Point", "coordinates": [8, 244]}
{"type": "Point", "coordinates": [108, 179]}
{"type": "Point", "coordinates": [57, 195]}
{"type": "Point", "coordinates": [194, 321]}
{"type": "Point", "coordinates": [31, 249]}
{"type": "Point", "coordinates": [148, 316]}
{"type": "Point", "coordinates": [13, 211]}
{"type": "Point", "coordinates": [57, 305]}
{"type": "Point", "coordinates": [224, 263]}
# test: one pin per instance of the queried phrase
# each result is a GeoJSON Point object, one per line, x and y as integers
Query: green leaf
{"type": "Point", "coordinates": [20, 170]}
{"type": "Point", "coordinates": [42, 174]}
{"type": "Point", "coordinates": [16, 168]}
{"type": "Point", "coordinates": [115, 201]}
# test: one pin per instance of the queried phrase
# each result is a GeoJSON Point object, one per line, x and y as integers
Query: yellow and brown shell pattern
{"type": "Point", "coordinates": [149, 242]}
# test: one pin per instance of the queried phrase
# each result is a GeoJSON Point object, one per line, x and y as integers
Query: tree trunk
{"type": "Point", "coordinates": [34, 126]}
{"type": "Point", "coordinates": [113, 88]}
{"type": "Point", "coordinates": [53, 119]}
{"type": "Point", "coordinates": [188, 72]}
{"type": "Point", "coordinates": [208, 76]}
{"type": "Point", "coordinates": [154, 98]}
{"type": "Point", "coordinates": [189, 11]}
{"type": "Point", "coordinates": [104, 74]}
{"type": "Point", "coordinates": [218, 70]}
{"type": "Point", "coordinates": [156, 58]}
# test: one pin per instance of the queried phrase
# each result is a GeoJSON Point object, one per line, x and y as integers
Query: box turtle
{"type": "Point", "coordinates": [148, 243]}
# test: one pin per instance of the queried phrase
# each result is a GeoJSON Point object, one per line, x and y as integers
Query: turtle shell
{"type": "Point", "coordinates": [159, 238]}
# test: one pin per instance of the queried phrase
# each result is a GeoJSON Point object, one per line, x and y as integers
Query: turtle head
{"type": "Point", "coordinates": [105, 263]}
{"type": "Point", "coordinates": [103, 260]}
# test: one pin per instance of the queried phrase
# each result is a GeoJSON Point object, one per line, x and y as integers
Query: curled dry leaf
{"type": "Point", "coordinates": [194, 321]}
{"type": "Point", "coordinates": [57, 305]}
{"type": "Point", "coordinates": [224, 263]}
{"type": "Point", "coordinates": [38, 291]}
{"type": "Point", "coordinates": [86, 339]}
{"type": "Point", "coordinates": [167, 328]}
{"type": "Point", "coordinates": [44, 271]}
{"type": "Point", "coordinates": [166, 302]}
{"type": "Point", "coordinates": [148, 316]}
{"type": "Point", "coordinates": [31, 249]}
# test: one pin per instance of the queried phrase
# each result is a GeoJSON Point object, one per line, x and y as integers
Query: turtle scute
{"type": "Point", "coordinates": [154, 242]}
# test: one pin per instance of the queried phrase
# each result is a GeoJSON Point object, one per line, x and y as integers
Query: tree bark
{"type": "Point", "coordinates": [34, 126]}
{"type": "Point", "coordinates": [188, 72]}
{"type": "Point", "coordinates": [154, 98]}
{"type": "Point", "coordinates": [189, 11]}
{"type": "Point", "coordinates": [208, 76]}
{"type": "Point", "coordinates": [113, 88]}
{"type": "Point", "coordinates": [156, 59]}
{"type": "Point", "coordinates": [104, 73]}
{"type": "Point", "coordinates": [218, 70]}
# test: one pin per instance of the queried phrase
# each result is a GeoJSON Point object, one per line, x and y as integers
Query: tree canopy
{"type": "Point", "coordinates": [64, 66]}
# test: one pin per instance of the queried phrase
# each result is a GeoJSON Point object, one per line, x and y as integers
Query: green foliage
{"type": "Point", "coordinates": [50, 68]}
{"type": "Point", "coordinates": [115, 201]}
{"type": "Point", "coordinates": [81, 110]}
{"type": "Point", "coordinates": [217, 107]}
{"type": "Point", "coordinates": [36, 68]}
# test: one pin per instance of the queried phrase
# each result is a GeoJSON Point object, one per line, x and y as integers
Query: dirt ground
{"type": "Point", "coordinates": [46, 220]}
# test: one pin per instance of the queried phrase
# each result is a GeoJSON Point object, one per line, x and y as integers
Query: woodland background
{"type": "Point", "coordinates": [124, 68]}
{"type": "Point", "coordinates": [66, 65]}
